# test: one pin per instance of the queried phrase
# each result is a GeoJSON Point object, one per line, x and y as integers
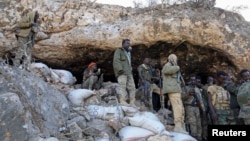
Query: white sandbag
{"type": "Point", "coordinates": [77, 96]}
{"type": "Point", "coordinates": [181, 137]}
{"type": "Point", "coordinates": [149, 124]}
{"type": "Point", "coordinates": [148, 115]}
{"type": "Point", "coordinates": [105, 113]}
{"type": "Point", "coordinates": [66, 77]}
{"type": "Point", "coordinates": [130, 133]}
{"type": "Point", "coordinates": [42, 70]}
{"type": "Point", "coordinates": [129, 111]}
{"type": "Point", "coordinates": [54, 76]}
{"type": "Point", "coordinates": [159, 138]}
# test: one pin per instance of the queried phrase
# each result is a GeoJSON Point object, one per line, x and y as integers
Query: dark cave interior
{"type": "Point", "coordinates": [203, 61]}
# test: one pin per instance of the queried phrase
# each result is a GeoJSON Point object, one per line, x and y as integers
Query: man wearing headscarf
{"type": "Point", "coordinates": [90, 76]}
{"type": "Point", "coordinates": [172, 87]}
{"type": "Point", "coordinates": [25, 34]}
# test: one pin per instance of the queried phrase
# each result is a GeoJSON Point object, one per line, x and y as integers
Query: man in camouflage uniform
{"type": "Point", "coordinates": [25, 33]}
{"type": "Point", "coordinates": [243, 96]}
{"type": "Point", "coordinates": [232, 88]}
{"type": "Point", "coordinates": [219, 101]}
{"type": "Point", "coordinates": [206, 119]}
{"type": "Point", "coordinates": [192, 103]}
{"type": "Point", "coordinates": [172, 87]}
{"type": "Point", "coordinates": [123, 72]}
{"type": "Point", "coordinates": [146, 83]}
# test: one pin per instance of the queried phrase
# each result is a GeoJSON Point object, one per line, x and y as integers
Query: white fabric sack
{"type": "Point", "coordinates": [129, 111]}
{"type": "Point", "coordinates": [149, 124]}
{"type": "Point", "coordinates": [148, 115]}
{"type": "Point", "coordinates": [77, 96]}
{"type": "Point", "coordinates": [55, 77]}
{"type": "Point", "coordinates": [66, 77]}
{"type": "Point", "coordinates": [42, 70]}
{"type": "Point", "coordinates": [130, 133]}
{"type": "Point", "coordinates": [105, 113]}
{"type": "Point", "coordinates": [181, 137]}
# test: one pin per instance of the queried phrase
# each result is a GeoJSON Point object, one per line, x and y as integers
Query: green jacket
{"type": "Point", "coordinates": [170, 83]}
{"type": "Point", "coordinates": [25, 25]}
{"type": "Point", "coordinates": [121, 62]}
{"type": "Point", "coordinates": [145, 71]}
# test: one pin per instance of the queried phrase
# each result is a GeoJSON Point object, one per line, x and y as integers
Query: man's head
{"type": "Point", "coordinates": [153, 62]}
{"type": "Point", "coordinates": [147, 61]}
{"type": "Point", "coordinates": [172, 58]}
{"type": "Point", "coordinates": [245, 75]}
{"type": "Point", "coordinates": [221, 77]}
{"type": "Point", "coordinates": [210, 80]}
{"type": "Point", "coordinates": [126, 44]}
{"type": "Point", "coordinates": [92, 66]}
{"type": "Point", "coordinates": [192, 79]}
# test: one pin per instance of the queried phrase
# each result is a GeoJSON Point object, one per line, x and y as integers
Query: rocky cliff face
{"type": "Point", "coordinates": [73, 33]}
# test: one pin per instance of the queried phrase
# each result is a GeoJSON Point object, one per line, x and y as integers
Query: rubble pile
{"type": "Point", "coordinates": [93, 115]}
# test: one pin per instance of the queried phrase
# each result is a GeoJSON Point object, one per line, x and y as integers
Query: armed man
{"type": "Point", "coordinates": [193, 104]}
{"type": "Point", "coordinates": [25, 34]}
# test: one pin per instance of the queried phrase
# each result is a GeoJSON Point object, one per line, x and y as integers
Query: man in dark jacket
{"type": "Point", "coordinates": [123, 72]}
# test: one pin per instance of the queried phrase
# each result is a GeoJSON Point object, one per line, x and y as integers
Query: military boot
{"type": "Point", "coordinates": [179, 128]}
{"type": "Point", "coordinates": [132, 103]}
{"type": "Point", "coordinates": [123, 101]}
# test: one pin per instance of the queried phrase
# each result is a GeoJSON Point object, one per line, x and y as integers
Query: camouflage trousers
{"type": "Point", "coordinates": [90, 82]}
{"type": "Point", "coordinates": [148, 90]}
{"type": "Point", "coordinates": [23, 52]}
{"type": "Point", "coordinates": [127, 86]}
{"type": "Point", "coordinates": [177, 108]}
{"type": "Point", "coordinates": [223, 117]}
{"type": "Point", "coordinates": [193, 119]}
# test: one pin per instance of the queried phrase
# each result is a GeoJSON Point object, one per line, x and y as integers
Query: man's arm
{"type": "Point", "coordinates": [116, 60]}
{"type": "Point", "coordinates": [167, 69]}
{"type": "Point", "coordinates": [211, 108]}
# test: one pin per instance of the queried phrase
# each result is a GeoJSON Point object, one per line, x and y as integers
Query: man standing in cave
{"type": "Point", "coordinates": [123, 72]}
{"type": "Point", "coordinates": [25, 34]}
{"type": "Point", "coordinates": [146, 82]}
{"type": "Point", "coordinates": [172, 87]}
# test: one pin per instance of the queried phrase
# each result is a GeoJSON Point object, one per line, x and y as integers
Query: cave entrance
{"type": "Point", "coordinates": [203, 61]}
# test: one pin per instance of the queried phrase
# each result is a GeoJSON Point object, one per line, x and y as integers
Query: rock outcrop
{"type": "Point", "coordinates": [73, 33]}
{"type": "Point", "coordinates": [29, 106]}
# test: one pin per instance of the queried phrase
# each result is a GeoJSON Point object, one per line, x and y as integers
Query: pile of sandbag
{"type": "Point", "coordinates": [53, 75]}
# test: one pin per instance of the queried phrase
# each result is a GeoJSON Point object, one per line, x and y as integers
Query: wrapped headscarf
{"type": "Point", "coordinates": [91, 65]}
{"type": "Point", "coordinates": [172, 58]}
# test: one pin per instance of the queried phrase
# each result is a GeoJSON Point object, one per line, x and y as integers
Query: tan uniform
{"type": "Point", "coordinates": [172, 87]}
{"type": "Point", "coordinates": [25, 38]}
{"type": "Point", "coordinates": [221, 104]}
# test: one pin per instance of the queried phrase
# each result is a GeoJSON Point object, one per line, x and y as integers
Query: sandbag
{"type": "Point", "coordinates": [176, 136]}
{"type": "Point", "coordinates": [54, 76]}
{"type": "Point", "coordinates": [42, 70]}
{"type": "Point", "coordinates": [105, 113]}
{"type": "Point", "coordinates": [66, 77]}
{"type": "Point", "coordinates": [130, 133]}
{"type": "Point", "coordinates": [243, 94]}
{"type": "Point", "coordinates": [129, 111]}
{"type": "Point", "coordinates": [77, 96]}
{"type": "Point", "coordinates": [150, 124]}
{"type": "Point", "coordinates": [148, 115]}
